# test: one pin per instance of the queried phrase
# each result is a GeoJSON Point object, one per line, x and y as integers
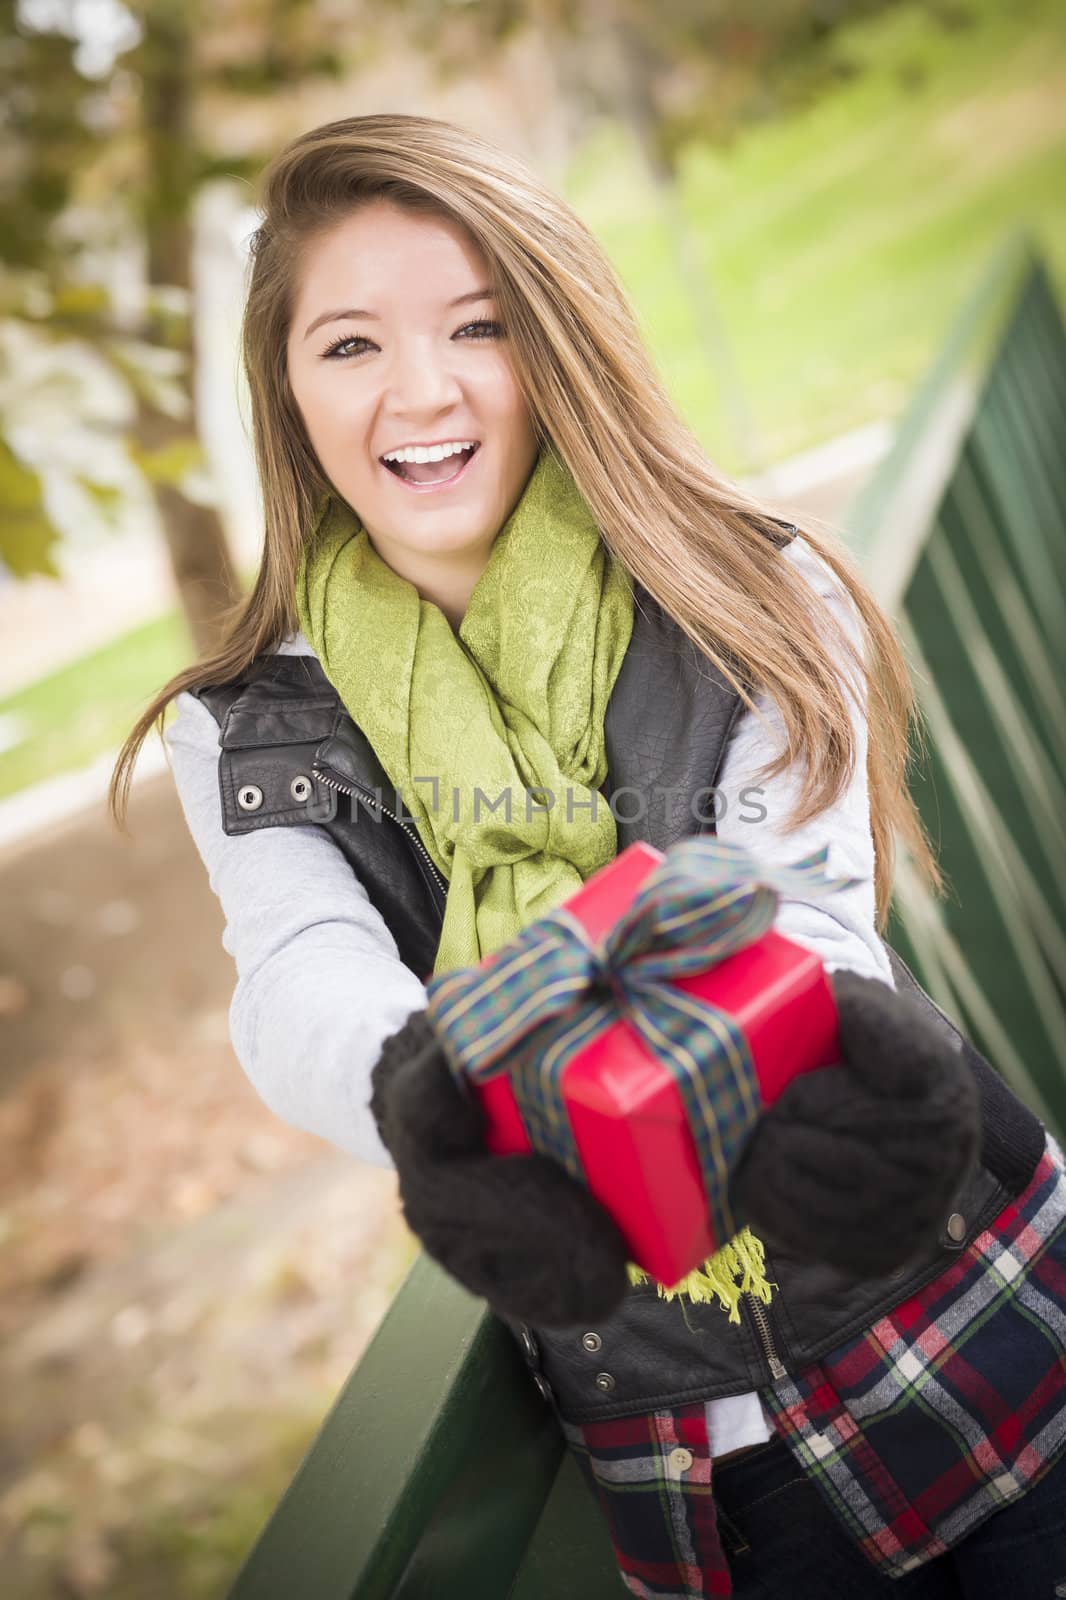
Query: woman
{"type": "Point", "coordinates": [496, 561]}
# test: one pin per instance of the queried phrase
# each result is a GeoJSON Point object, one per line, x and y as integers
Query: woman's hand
{"type": "Point", "coordinates": [855, 1165]}
{"type": "Point", "coordinates": [516, 1230]}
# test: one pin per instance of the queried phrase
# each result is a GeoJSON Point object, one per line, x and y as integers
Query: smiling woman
{"type": "Point", "coordinates": [491, 545]}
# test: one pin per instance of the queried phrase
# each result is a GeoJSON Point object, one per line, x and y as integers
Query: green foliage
{"type": "Point", "coordinates": [107, 498]}
{"type": "Point", "coordinates": [262, 74]}
{"type": "Point", "coordinates": [77, 307]}
{"type": "Point", "coordinates": [172, 462]}
{"type": "Point", "coordinates": [49, 140]}
{"type": "Point", "coordinates": [136, 120]}
{"type": "Point", "coordinates": [45, 325]}
{"type": "Point", "coordinates": [27, 537]}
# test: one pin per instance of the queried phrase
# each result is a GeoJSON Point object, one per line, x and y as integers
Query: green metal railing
{"type": "Point", "coordinates": [962, 533]}
{"type": "Point", "coordinates": [439, 1474]}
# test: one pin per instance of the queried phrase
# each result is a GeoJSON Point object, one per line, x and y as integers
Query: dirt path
{"type": "Point", "coordinates": [185, 1281]}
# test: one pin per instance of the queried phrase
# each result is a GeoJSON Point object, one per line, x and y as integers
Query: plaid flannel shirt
{"type": "Point", "coordinates": [936, 1416]}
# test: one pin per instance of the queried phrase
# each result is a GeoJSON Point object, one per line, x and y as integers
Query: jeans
{"type": "Point", "coordinates": [784, 1542]}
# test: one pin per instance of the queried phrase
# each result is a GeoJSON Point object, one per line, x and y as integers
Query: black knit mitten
{"type": "Point", "coordinates": [856, 1165]}
{"type": "Point", "coordinates": [516, 1230]}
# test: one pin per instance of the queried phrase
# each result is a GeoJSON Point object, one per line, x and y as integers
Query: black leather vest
{"type": "Point", "coordinates": [291, 756]}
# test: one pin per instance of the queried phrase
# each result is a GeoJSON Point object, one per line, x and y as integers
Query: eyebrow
{"type": "Point", "coordinates": [372, 316]}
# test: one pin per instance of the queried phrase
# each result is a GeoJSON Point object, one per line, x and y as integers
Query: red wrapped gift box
{"type": "Point", "coordinates": [630, 1128]}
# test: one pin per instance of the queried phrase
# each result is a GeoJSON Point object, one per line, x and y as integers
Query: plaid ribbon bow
{"type": "Point", "coordinates": [542, 999]}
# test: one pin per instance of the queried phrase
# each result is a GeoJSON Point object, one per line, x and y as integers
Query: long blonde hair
{"type": "Point", "coordinates": [695, 540]}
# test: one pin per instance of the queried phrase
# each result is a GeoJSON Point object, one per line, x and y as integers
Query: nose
{"type": "Point", "coordinates": [420, 379]}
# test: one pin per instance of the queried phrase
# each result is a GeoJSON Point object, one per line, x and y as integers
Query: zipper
{"type": "Point", "coordinates": [762, 1323]}
{"type": "Point", "coordinates": [375, 805]}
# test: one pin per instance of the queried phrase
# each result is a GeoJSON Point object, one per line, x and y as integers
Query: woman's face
{"type": "Point", "coordinates": [394, 342]}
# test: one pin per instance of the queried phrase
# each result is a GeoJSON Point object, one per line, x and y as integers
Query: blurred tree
{"type": "Point", "coordinates": [105, 150]}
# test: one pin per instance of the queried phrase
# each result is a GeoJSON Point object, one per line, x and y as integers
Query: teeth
{"type": "Point", "coordinates": [437, 452]}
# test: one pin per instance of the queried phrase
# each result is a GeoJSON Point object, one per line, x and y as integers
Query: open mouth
{"type": "Point", "coordinates": [427, 475]}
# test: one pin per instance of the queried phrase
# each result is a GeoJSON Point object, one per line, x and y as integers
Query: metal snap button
{"type": "Point", "coordinates": [529, 1344]}
{"type": "Point", "coordinates": [681, 1458]}
{"type": "Point", "coordinates": [591, 1341]}
{"type": "Point", "coordinates": [249, 797]}
{"type": "Point", "coordinates": [604, 1381]}
{"type": "Point", "coordinates": [957, 1227]}
{"type": "Point", "coordinates": [544, 1388]}
{"type": "Point", "coordinates": [300, 789]}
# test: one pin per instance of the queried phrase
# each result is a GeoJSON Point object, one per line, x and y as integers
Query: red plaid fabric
{"type": "Point", "coordinates": [660, 1510]}
{"type": "Point", "coordinates": [955, 1403]}
{"type": "Point", "coordinates": [916, 1430]}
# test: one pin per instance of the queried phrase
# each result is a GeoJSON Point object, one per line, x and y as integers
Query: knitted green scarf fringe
{"type": "Point", "coordinates": [741, 1258]}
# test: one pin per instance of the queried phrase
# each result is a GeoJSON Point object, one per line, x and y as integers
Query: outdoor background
{"type": "Point", "coordinates": [798, 198]}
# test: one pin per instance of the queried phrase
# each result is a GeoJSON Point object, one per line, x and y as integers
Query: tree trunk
{"type": "Point", "coordinates": [200, 559]}
{"type": "Point", "coordinates": [203, 566]}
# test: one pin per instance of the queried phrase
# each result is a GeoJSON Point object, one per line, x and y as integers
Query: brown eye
{"type": "Point", "coordinates": [338, 344]}
{"type": "Point", "coordinates": [494, 328]}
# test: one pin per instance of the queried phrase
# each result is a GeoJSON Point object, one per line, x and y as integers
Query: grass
{"type": "Point", "coordinates": [190, 1539]}
{"type": "Point", "coordinates": [196, 1548]}
{"type": "Point", "coordinates": [72, 716]}
{"type": "Point", "coordinates": [839, 245]}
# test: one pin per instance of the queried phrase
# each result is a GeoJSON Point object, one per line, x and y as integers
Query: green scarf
{"type": "Point", "coordinates": [510, 706]}
{"type": "Point", "coordinates": [515, 702]}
